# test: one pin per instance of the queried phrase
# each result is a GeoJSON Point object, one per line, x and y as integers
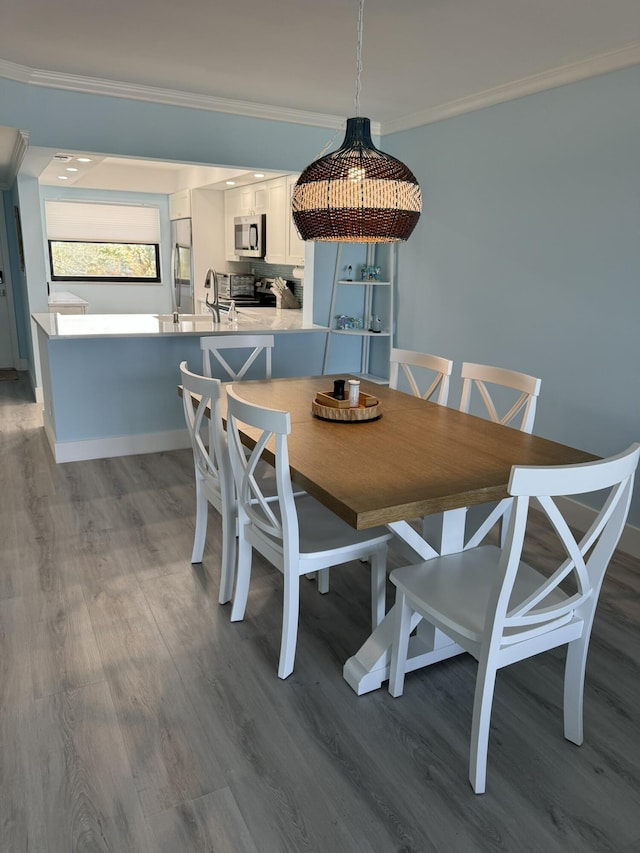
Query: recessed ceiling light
{"type": "Point", "coordinates": [63, 177]}
{"type": "Point", "coordinates": [258, 174]}
{"type": "Point", "coordinates": [84, 159]}
{"type": "Point", "coordinates": [72, 169]}
{"type": "Point", "coordinates": [230, 183]}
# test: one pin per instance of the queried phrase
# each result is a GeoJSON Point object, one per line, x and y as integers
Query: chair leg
{"type": "Point", "coordinates": [228, 563]}
{"type": "Point", "coordinates": [243, 578]}
{"type": "Point", "coordinates": [202, 512]}
{"type": "Point", "coordinates": [290, 609]}
{"type": "Point", "coordinates": [482, 702]}
{"type": "Point", "coordinates": [400, 645]}
{"type": "Point", "coordinates": [323, 580]}
{"type": "Point", "coordinates": [574, 672]}
{"type": "Point", "coordinates": [378, 585]}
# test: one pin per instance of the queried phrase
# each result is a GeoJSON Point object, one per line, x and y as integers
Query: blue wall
{"type": "Point", "coordinates": [527, 254]}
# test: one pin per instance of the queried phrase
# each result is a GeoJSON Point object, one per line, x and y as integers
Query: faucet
{"type": "Point", "coordinates": [214, 306]}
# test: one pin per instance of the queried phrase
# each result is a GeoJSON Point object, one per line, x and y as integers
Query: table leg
{"type": "Point", "coordinates": [369, 667]}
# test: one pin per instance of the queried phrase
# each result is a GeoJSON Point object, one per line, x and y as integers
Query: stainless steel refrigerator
{"type": "Point", "coordinates": [181, 266]}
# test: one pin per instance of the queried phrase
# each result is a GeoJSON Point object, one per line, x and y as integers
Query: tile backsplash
{"type": "Point", "coordinates": [262, 270]}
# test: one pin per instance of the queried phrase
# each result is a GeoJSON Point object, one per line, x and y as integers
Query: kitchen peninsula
{"type": "Point", "coordinates": [109, 380]}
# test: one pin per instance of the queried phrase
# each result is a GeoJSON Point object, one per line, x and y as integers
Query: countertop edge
{"type": "Point", "coordinates": [93, 326]}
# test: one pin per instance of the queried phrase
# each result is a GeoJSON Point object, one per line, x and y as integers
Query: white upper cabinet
{"type": "Point", "coordinates": [180, 205]}
{"type": "Point", "coordinates": [276, 223]}
{"type": "Point", "coordinates": [295, 246]}
{"type": "Point", "coordinates": [253, 199]}
{"type": "Point", "coordinates": [232, 208]}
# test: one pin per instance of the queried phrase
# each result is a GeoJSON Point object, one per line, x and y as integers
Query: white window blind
{"type": "Point", "coordinates": [93, 222]}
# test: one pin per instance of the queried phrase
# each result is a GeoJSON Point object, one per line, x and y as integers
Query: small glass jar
{"type": "Point", "coordinates": [354, 393]}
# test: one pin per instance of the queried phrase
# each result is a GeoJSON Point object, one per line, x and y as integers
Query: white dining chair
{"type": "Point", "coordinates": [297, 534]}
{"type": "Point", "coordinates": [432, 372]}
{"type": "Point", "coordinates": [509, 398]}
{"type": "Point", "coordinates": [501, 610]}
{"type": "Point", "coordinates": [489, 382]}
{"type": "Point", "coordinates": [505, 397]}
{"type": "Point", "coordinates": [217, 350]}
{"type": "Point", "coordinates": [214, 480]}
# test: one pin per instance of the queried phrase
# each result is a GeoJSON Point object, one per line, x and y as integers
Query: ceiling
{"type": "Point", "coordinates": [421, 59]}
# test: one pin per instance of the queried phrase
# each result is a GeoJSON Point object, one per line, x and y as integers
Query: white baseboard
{"type": "Point", "coordinates": [37, 390]}
{"type": "Point", "coordinates": [581, 516]}
{"type": "Point", "coordinates": [122, 445]}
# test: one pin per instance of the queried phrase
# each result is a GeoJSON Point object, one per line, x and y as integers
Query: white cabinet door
{"type": "Point", "coordinates": [232, 208]}
{"type": "Point", "coordinates": [180, 205]}
{"type": "Point", "coordinates": [276, 230]}
{"type": "Point", "coordinates": [295, 246]}
{"type": "Point", "coordinates": [253, 199]}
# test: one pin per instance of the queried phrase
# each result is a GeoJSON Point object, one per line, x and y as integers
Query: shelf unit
{"type": "Point", "coordinates": [377, 298]}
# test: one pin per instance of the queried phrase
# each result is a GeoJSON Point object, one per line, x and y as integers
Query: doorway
{"type": "Point", "coordinates": [8, 340]}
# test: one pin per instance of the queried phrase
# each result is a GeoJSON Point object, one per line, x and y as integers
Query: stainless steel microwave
{"type": "Point", "coordinates": [249, 235]}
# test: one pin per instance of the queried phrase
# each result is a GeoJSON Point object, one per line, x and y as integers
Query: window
{"type": "Point", "coordinates": [103, 242]}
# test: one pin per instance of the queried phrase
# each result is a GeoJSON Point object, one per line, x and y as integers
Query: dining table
{"type": "Point", "coordinates": [415, 459]}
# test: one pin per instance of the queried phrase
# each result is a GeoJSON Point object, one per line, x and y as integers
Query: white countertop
{"type": "Point", "coordinates": [254, 320]}
{"type": "Point", "coordinates": [64, 298]}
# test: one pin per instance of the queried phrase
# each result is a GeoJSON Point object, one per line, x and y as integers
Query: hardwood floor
{"type": "Point", "coordinates": [135, 717]}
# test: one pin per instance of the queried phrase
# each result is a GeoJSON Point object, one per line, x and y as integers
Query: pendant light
{"type": "Point", "coordinates": [356, 194]}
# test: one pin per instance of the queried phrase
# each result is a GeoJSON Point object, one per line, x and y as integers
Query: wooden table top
{"type": "Point", "coordinates": [417, 459]}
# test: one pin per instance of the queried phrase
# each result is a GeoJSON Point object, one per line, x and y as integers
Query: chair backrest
{"type": "Point", "coordinates": [275, 523]}
{"type": "Point", "coordinates": [481, 375]}
{"type": "Point", "coordinates": [406, 359]}
{"type": "Point", "coordinates": [217, 346]}
{"type": "Point", "coordinates": [212, 462]}
{"type": "Point", "coordinates": [523, 611]}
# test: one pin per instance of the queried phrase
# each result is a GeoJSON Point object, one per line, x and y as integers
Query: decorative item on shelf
{"type": "Point", "coordinates": [370, 273]}
{"type": "Point", "coordinates": [356, 194]}
{"type": "Point", "coordinates": [376, 324]}
{"type": "Point", "coordinates": [349, 273]}
{"type": "Point", "coordinates": [345, 323]}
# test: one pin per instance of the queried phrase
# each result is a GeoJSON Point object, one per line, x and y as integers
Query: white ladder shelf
{"type": "Point", "coordinates": [369, 304]}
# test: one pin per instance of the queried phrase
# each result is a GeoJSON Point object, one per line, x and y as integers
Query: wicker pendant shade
{"type": "Point", "coordinates": [356, 194]}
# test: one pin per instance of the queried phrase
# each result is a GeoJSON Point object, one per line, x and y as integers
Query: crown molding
{"type": "Point", "coordinates": [168, 97]}
{"type": "Point", "coordinates": [614, 60]}
{"type": "Point", "coordinates": [20, 145]}
{"type": "Point", "coordinates": [19, 150]}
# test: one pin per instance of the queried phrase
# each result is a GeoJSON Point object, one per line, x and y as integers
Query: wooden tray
{"type": "Point", "coordinates": [327, 399]}
{"type": "Point", "coordinates": [368, 410]}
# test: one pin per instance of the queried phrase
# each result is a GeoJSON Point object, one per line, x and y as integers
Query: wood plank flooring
{"type": "Point", "coordinates": [135, 717]}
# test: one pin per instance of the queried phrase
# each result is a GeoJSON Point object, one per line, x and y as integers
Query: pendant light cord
{"type": "Point", "coordinates": [359, 55]}
{"type": "Point", "coordinates": [358, 73]}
